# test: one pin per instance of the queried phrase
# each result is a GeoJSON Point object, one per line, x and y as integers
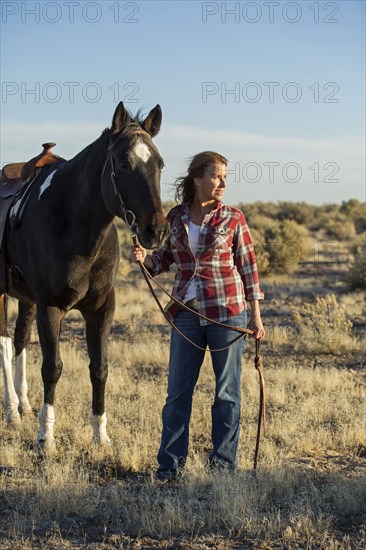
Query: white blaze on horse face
{"type": "Point", "coordinates": [142, 151]}
{"type": "Point", "coordinates": [46, 184]}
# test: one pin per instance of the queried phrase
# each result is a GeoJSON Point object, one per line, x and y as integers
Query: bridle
{"type": "Point", "coordinates": [123, 212]}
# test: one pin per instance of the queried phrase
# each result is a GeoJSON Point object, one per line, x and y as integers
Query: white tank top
{"type": "Point", "coordinates": [193, 238]}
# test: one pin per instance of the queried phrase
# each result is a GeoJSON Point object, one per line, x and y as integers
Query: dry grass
{"type": "Point", "coordinates": [310, 487]}
{"type": "Point", "coordinates": [323, 326]}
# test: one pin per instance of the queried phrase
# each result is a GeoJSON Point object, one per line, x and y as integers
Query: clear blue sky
{"type": "Point", "coordinates": [278, 87]}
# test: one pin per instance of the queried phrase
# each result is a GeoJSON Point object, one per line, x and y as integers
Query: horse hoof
{"type": "Point", "coordinates": [104, 443]}
{"type": "Point", "coordinates": [13, 419]}
{"type": "Point", "coordinates": [106, 448]}
{"type": "Point", "coordinates": [101, 449]}
{"type": "Point", "coordinates": [46, 448]}
{"type": "Point", "coordinates": [25, 409]}
{"type": "Point", "coordinates": [14, 423]}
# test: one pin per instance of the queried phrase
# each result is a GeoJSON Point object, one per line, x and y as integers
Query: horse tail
{"type": "Point", "coordinates": [3, 315]}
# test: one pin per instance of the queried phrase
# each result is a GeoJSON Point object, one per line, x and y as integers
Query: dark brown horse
{"type": "Point", "coordinates": [63, 254]}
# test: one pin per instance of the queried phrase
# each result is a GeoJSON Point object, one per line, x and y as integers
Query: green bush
{"type": "Point", "coordinates": [300, 212]}
{"type": "Point", "coordinates": [355, 211]}
{"type": "Point", "coordinates": [286, 245]}
{"type": "Point", "coordinates": [323, 326]}
{"type": "Point", "coordinates": [279, 247]}
{"type": "Point", "coordinates": [262, 222]}
{"type": "Point", "coordinates": [261, 253]}
{"type": "Point", "coordinates": [358, 241]}
{"type": "Point", "coordinates": [252, 211]}
{"type": "Point", "coordinates": [357, 275]}
{"type": "Point", "coordinates": [343, 230]}
{"type": "Point", "coordinates": [324, 213]}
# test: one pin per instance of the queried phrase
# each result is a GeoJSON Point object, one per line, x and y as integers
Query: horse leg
{"type": "Point", "coordinates": [49, 324]}
{"type": "Point", "coordinates": [22, 336]}
{"type": "Point", "coordinates": [98, 324]}
{"type": "Point", "coordinates": [11, 401]}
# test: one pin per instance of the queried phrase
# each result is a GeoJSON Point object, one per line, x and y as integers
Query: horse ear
{"type": "Point", "coordinates": [152, 122]}
{"type": "Point", "coordinates": [121, 118]}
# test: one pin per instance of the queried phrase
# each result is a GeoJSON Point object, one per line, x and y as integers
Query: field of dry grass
{"type": "Point", "coordinates": [310, 487]}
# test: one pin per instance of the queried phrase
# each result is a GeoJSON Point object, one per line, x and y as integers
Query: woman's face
{"type": "Point", "coordinates": [212, 185]}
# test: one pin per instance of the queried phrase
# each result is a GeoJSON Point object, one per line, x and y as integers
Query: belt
{"type": "Point", "coordinates": [193, 304]}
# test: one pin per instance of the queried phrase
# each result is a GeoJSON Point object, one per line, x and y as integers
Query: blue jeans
{"type": "Point", "coordinates": [184, 367]}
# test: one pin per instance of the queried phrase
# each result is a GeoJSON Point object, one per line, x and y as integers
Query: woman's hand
{"type": "Point", "coordinates": [138, 253]}
{"type": "Point", "coordinates": [255, 324]}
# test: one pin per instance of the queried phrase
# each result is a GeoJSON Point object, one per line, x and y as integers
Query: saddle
{"type": "Point", "coordinates": [15, 179]}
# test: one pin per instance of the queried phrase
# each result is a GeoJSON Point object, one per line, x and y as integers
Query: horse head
{"type": "Point", "coordinates": [131, 176]}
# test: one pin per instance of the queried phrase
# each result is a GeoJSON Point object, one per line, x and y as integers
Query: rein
{"type": "Point", "coordinates": [123, 211]}
{"type": "Point", "coordinates": [149, 277]}
{"type": "Point", "coordinates": [257, 359]}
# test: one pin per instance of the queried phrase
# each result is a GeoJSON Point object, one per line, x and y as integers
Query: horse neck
{"type": "Point", "coordinates": [86, 174]}
{"type": "Point", "coordinates": [87, 167]}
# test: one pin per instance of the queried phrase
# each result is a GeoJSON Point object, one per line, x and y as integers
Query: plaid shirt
{"type": "Point", "coordinates": [224, 268]}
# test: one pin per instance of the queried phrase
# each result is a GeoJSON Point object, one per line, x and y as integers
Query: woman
{"type": "Point", "coordinates": [216, 275]}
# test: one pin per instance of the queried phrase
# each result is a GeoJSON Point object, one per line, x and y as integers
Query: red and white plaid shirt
{"type": "Point", "coordinates": [224, 268]}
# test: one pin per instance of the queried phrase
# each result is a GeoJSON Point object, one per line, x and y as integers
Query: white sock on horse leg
{"type": "Point", "coordinates": [46, 424]}
{"type": "Point", "coordinates": [20, 381]}
{"type": "Point", "coordinates": [99, 424]}
{"type": "Point", "coordinates": [11, 401]}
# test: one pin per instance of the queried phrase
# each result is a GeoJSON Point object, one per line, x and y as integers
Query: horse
{"type": "Point", "coordinates": [63, 254]}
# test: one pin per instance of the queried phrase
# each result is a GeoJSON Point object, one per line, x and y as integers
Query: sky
{"type": "Point", "coordinates": [277, 87]}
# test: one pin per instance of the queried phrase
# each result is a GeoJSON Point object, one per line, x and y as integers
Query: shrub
{"type": "Point", "coordinates": [251, 211]}
{"type": "Point", "coordinates": [357, 242]}
{"type": "Point", "coordinates": [324, 213]}
{"type": "Point", "coordinates": [261, 253]}
{"type": "Point", "coordinates": [355, 212]}
{"type": "Point", "coordinates": [357, 275]}
{"type": "Point", "coordinates": [262, 222]}
{"type": "Point", "coordinates": [323, 326]}
{"type": "Point", "coordinates": [279, 247]}
{"type": "Point", "coordinates": [342, 230]}
{"type": "Point", "coordinates": [286, 245]}
{"type": "Point", "coordinates": [300, 212]}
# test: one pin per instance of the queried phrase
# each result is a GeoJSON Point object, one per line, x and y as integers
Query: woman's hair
{"type": "Point", "coordinates": [185, 189]}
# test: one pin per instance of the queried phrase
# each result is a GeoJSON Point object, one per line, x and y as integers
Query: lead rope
{"type": "Point", "coordinates": [257, 359]}
{"type": "Point", "coordinates": [148, 277]}
{"type": "Point", "coordinates": [262, 400]}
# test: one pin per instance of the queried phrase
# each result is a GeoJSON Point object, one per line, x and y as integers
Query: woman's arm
{"type": "Point", "coordinates": [255, 322]}
{"type": "Point", "coordinates": [245, 261]}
